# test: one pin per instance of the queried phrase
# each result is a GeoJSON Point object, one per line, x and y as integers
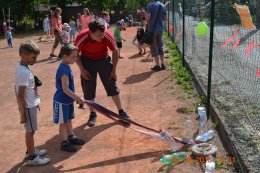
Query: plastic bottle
{"type": "Point", "coordinates": [203, 123]}
{"type": "Point", "coordinates": [210, 165]}
{"type": "Point", "coordinates": [200, 109]}
{"type": "Point", "coordinates": [168, 139]}
{"type": "Point", "coordinates": [174, 158]}
{"type": "Point", "coordinates": [206, 136]}
{"type": "Point", "coordinates": [188, 129]}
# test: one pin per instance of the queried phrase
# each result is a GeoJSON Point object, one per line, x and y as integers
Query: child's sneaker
{"type": "Point", "coordinates": [76, 141]}
{"type": "Point", "coordinates": [38, 161]}
{"type": "Point", "coordinates": [37, 152]}
{"type": "Point", "coordinates": [81, 106]}
{"type": "Point", "coordinates": [92, 119]}
{"type": "Point", "coordinates": [66, 146]}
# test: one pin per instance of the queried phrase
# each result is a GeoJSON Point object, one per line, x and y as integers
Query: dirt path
{"type": "Point", "coordinates": [150, 98]}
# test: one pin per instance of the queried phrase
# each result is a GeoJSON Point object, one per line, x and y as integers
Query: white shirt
{"type": "Point", "coordinates": [103, 21]}
{"type": "Point", "coordinates": [46, 23]}
{"type": "Point", "coordinates": [24, 77]}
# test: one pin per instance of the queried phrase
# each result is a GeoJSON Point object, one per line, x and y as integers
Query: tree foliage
{"type": "Point", "coordinates": [133, 5]}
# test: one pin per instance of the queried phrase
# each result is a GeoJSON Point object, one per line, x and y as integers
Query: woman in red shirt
{"type": "Point", "coordinates": [85, 18]}
{"type": "Point", "coordinates": [57, 29]}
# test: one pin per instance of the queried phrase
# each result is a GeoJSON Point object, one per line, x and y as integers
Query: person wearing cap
{"type": "Point", "coordinates": [118, 37]}
{"type": "Point", "coordinates": [65, 33]}
{"type": "Point", "coordinates": [93, 45]}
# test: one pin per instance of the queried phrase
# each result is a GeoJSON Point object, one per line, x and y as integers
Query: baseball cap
{"type": "Point", "coordinates": [65, 25]}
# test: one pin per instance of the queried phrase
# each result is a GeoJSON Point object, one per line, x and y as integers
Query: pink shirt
{"type": "Point", "coordinates": [85, 21]}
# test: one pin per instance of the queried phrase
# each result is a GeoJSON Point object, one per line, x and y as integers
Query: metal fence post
{"type": "Point", "coordinates": [168, 8]}
{"type": "Point", "coordinates": [212, 17]}
{"type": "Point", "coordinates": [183, 32]}
{"type": "Point", "coordinates": [173, 26]}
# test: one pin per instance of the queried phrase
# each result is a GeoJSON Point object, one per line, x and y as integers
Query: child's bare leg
{"type": "Point", "coordinates": [119, 50]}
{"type": "Point", "coordinates": [63, 132]}
{"type": "Point", "coordinates": [69, 128]}
{"type": "Point", "coordinates": [162, 59]}
{"type": "Point", "coordinates": [140, 48]}
{"type": "Point", "coordinates": [30, 143]}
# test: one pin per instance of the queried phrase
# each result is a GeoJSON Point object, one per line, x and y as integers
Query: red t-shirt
{"type": "Point", "coordinates": [92, 49]}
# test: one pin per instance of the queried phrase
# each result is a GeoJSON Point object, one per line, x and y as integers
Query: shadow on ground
{"type": "Point", "coordinates": [56, 155]}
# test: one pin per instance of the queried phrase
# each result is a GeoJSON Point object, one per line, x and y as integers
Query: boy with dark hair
{"type": "Point", "coordinates": [93, 46]}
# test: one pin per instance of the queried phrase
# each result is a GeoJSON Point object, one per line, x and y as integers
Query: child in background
{"type": "Point", "coordinates": [64, 97]}
{"type": "Point", "coordinates": [9, 37]}
{"type": "Point", "coordinates": [65, 33]}
{"type": "Point", "coordinates": [139, 35]}
{"type": "Point", "coordinates": [105, 19]}
{"type": "Point", "coordinates": [28, 100]}
{"type": "Point", "coordinates": [123, 24]}
{"type": "Point", "coordinates": [118, 37]}
{"type": "Point", "coordinates": [72, 25]}
{"type": "Point", "coordinates": [46, 26]}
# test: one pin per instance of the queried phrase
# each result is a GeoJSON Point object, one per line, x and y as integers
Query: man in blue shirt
{"type": "Point", "coordinates": [153, 9]}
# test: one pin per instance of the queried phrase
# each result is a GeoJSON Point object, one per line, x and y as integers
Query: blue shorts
{"type": "Point", "coordinates": [9, 41]}
{"type": "Point", "coordinates": [73, 32]}
{"type": "Point", "coordinates": [62, 113]}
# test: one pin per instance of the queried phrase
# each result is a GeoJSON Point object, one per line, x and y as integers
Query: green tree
{"type": "Point", "coordinates": [132, 5]}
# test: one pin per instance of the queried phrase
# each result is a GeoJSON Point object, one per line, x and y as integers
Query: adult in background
{"type": "Point", "coordinates": [57, 29]}
{"type": "Point", "coordinates": [93, 44]}
{"type": "Point", "coordinates": [156, 15]}
{"type": "Point", "coordinates": [85, 18]}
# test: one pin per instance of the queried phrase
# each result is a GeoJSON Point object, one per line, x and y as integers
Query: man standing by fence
{"type": "Point", "coordinates": [156, 14]}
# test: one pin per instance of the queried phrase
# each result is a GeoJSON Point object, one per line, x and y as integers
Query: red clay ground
{"type": "Point", "coordinates": [150, 98]}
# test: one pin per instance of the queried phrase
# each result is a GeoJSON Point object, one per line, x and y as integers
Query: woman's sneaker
{"type": "Point", "coordinates": [37, 152]}
{"type": "Point", "coordinates": [156, 68]}
{"type": "Point", "coordinates": [38, 161]}
{"type": "Point", "coordinates": [163, 67]}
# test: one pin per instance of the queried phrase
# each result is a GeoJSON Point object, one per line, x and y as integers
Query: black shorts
{"type": "Point", "coordinates": [119, 45]}
{"type": "Point", "coordinates": [103, 68]}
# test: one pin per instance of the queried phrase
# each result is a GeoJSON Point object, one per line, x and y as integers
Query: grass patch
{"type": "Point", "coordinates": [182, 76]}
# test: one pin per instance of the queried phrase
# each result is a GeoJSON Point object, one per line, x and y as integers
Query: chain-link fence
{"type": "Point", "coordinates": [235, 85]}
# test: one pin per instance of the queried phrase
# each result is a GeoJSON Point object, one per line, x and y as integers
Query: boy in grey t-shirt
{"type": "Point", "coordinates": [28, 101]}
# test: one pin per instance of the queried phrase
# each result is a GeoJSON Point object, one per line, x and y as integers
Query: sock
{"type": "Point", "coordinates": [32, 157]}
{"type": "Point", "coordinates": [72, 136]}
{"type": "Point", "coordinates": [93, 114]}
{"type": "Point", "coordinates": [64, 142]}
{"type": "Point", "coordinates": [121, 111]}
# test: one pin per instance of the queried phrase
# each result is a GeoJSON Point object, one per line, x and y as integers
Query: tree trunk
{"type": "Point", "coordinates": [258, 14]}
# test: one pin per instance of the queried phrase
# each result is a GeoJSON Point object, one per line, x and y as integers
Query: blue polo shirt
{"type": "Point", "coordinates": [153, 9]}
{"type": "Point", "coordinates": [59, 95]}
